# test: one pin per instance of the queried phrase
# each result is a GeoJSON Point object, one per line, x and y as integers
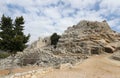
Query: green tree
{"type": "Point", "coordinates": [6, 33]}
{"type": "Point", "coordinates": [19, 40]}
{"type": "Point", "coordinates": [54, 39]}
{"type": "Point", "coordinates": [12, 38]}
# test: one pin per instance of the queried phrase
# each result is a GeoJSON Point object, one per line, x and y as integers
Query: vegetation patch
{"type": "Point", "coordinates": [4, 55]}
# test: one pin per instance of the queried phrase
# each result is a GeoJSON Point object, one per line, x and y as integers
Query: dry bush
{"type": "Point", "coordinates": [30, 58]}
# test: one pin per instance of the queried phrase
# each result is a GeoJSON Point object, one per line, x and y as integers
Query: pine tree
{"type": "Point", "coordinates": [12, 38]}
{"type": "Point", "coordinates": [6, 33]}
{"type": "Point", "coordinates": [19, 39]}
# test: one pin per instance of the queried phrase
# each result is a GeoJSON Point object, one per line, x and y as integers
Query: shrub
{"type": "Point", "coordinates": [54, 39]}
{"type": "Point", "coordinates": [4, 55]}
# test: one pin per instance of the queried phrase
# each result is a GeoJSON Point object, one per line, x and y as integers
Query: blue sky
{"type": "Point", "coordinates": [44, 17]}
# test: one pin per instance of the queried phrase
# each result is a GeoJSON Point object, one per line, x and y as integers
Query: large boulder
{"type": "Point", "coordinates": [116, 55]}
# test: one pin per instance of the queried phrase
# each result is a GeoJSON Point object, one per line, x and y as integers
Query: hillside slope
{"type": "Point", "coordinates": [77, 42]}
{"type": "Point", "coordinates": [94, 67]}
{"type": "Point", "coordinates": [88, 37]}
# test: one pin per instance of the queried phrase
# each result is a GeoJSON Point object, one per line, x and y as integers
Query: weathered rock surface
{"type": "Point", "coordinates": [116, 56]}
{"type": "Point", "coordinates": [88, 38]}
{"type": "Point", "coordinates": [45, 58]}
{"type": "Point", "coordinates": [41, 42]}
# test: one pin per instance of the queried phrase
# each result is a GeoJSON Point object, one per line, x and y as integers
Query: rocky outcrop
{"type": "Point", "coordinates": [116, 55]}
{"type": "Point", "coordinates": [45, 58]}
{"type": "Point", "coordinates": [88, 38]}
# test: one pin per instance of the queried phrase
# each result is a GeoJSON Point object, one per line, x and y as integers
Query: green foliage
{"type": "Point", "coordinates": [12, 38]}
{"type": "Point", "coordinates": [4, 55]}
{"type": "Point", "coordinates": [54, 39]}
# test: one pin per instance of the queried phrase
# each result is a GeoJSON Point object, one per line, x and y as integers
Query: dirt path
{"type": "Point", "coordinates": [94, 67]}
{"type": "Point", "coordinates": [19, 70]}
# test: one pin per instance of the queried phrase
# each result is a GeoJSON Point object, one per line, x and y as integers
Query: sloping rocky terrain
{"type": "Point", "coordinates": [76, 43]}
{"type": "Point", "coordinates": [97, 66]}
{"type": "Point", "coordinates": [88, 38]}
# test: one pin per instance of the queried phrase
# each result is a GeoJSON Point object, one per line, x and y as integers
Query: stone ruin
{"type": "Point", "coordinates": [41, 42]}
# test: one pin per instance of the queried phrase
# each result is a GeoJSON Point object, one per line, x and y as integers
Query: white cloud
{"type": "Point", "coordinates": [114, 22]}
{"type": "Point", "coordinates": [52, 13]}
{"type": "Point", "coordinates": [43, 17]}
{"type": "Point", "coordinates": [83, 4]}
{"type": "Point", "coordinates": [111, 5]}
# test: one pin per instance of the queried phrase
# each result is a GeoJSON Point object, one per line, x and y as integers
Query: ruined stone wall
{"type": "Point", "coordinates": [41, 42]}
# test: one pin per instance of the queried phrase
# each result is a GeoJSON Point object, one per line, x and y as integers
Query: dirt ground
{"type": "Point", "coordinates": [18, 70]}
{"type": "Point", "coordinates": [97, 66]}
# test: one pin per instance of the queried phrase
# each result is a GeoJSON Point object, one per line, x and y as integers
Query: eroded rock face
{"type": "Point", "coordinates": [87, 37]}
{"type": "Point", "coordinates": [116, 56]}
